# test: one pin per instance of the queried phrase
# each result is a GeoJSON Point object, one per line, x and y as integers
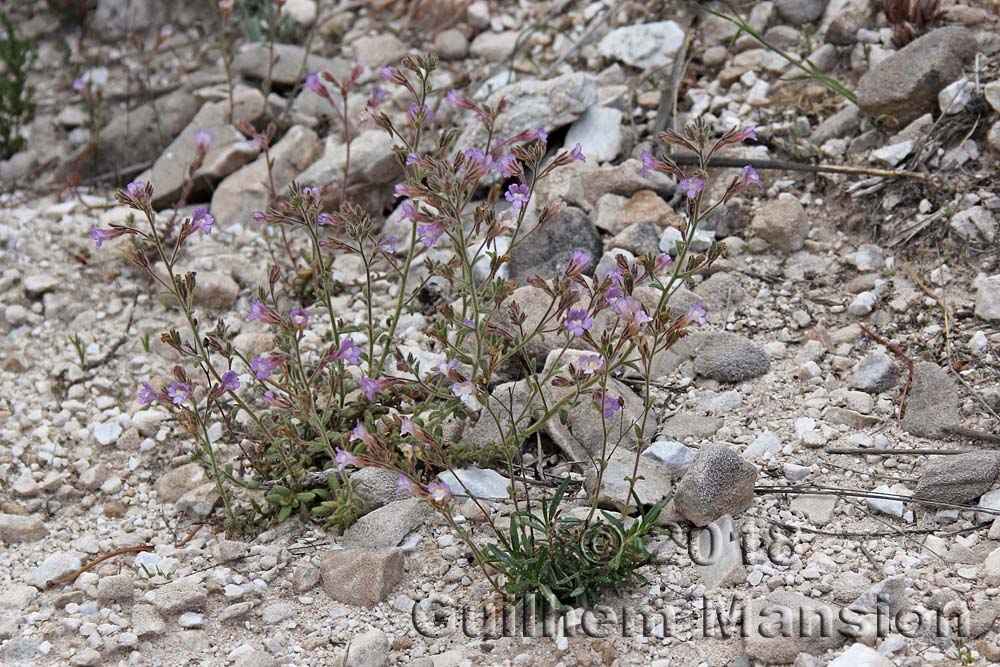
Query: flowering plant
{"type": "Point", "coordinates": [339, 391]}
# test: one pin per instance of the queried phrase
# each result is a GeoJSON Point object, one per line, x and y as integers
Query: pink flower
{"type": "Point", "coordinates": [649, 163]}
{"type": "Point", "coordinates": [465, 391]}
{"type": "Point", "coordinates": [663, 260]}
{"type": "Point", "coordinates": [577, 154]}
{"type": "Point", "coordinates": [376, 97]}
{"type": "Point", "coordinates": [749, 132]}
{"type": "Point", "coordinates": [202, 220]}
{"type": "Point", "coordinates": [257, 311]}
{"type": "Point", "coordinates": [440, 493]}
{"type": "Point", "coordinates": [263, 367]}
{"type": "Point", "coordinates": [371, 387]}
{"type": "Point", "coordinates": [344, 458]}
{"type": "Point", "coordinates": [178, 392]}
{"type": "Point", "coordinates": [518, 195]}
{"type": "Point", "coordinates": [578, 322]}
{"type": "Point", "coordinates": [692, 186]}
{"type": "Point", "coordinates": [299, 317]}
{"type": "Point", "coordinates": [314, 84]}
{"type": "Point", "coordinates": [348, 352]}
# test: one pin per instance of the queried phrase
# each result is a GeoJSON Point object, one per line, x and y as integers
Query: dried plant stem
{"type": "Point", "coordinates": [70, 578]}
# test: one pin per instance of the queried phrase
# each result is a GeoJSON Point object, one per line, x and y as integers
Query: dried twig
{"type": "Point", "coordinates": [892, 347]}
{"type": "Point", "coordinates": [70, 578]}
{"type": "Point", "coordinates": [786, 165]}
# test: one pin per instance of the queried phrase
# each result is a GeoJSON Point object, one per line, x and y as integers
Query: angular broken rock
{"type": "Point", "coordinates": [958, 479]}
{"type": "Point", "coordinates": [17, 528]}
{"type": "Point", "coordinates": [175, 483]}
{"type": "Point", "coordinates": [377, 487]}
{"type": "Point", "coordinates": [290, 65]}
{"type": "Point", "coordinates": [388, 525]}
{"type": "Point", "coordinates": [875, 374]}
{"type": "Point", "coordinates": [247, 190]}
{"type": "Point", "coordinates": [906, 84]}
{"type": "Point", "coordinates": [614, 492]}
{"type": "Point", "coordinates": [179, 596]}
{"type": "Point", "coordinates": [782, 223]}
{"type": "Point", "coordinates": [550, 103]}
{"type": "Point", "coordinates": [550, 249]}
{"type": "Point", "coordinates": [988, 299]}
{"type": "Point", "coordinates": [361, 577]}
{"type": "Point", "coordinates": [933, 402]}
{"type": "Point", "coordinates": [228, 152]}
{"type": "Point", "coordinates": [719, 482]}
{"type": "Point", "coordinates": [731, 358]}
{"type": "Point", "coordinates": [784, 624]}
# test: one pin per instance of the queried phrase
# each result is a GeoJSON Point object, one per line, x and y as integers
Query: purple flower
{"type": "Point", "coordinates": [299, 317]}
{"type": "Point", "coordinates": [578, 322]}
{"type": "Point", "coordinates": [79, 85]}
{"type": "Point", "coordinates": [178, 392]}
{"type": "Point", "coordinates": [202, 220]}
{"type": "Point", "coordinates": [540, 134]}
{"type": "Point", "coordinates": [609, 405]}
{"type": "Point", "coordinates": [429, 233]}
{"type": "Point", "coordinates": [631, 310]}
{"type": "Point", "coordinates": [698, 313]}
{"type": "Point", "coordinates": [663, 260]}
{"type": "Point", "coordinates": [439, 492]}
{"type": "Point", "coordinates": [591, 363]}
{"type": "Point", "coordinates": [518, 195]}
{"type": "Point", "coordinates": [259, 216]}
{"type": "Point", "coordinates": [348, 352]}
{"type": "Point", "coordinates": [749, 177]}
{"type": "Point", "coordinates": [400, 190]}
{"type": "Point", "coordinates": [147, 394]}
{"type": "Point", "coordinates": [203, 139]}
{"type": "Point", "coordinates": [257, 311]}
{"type": "Point", "coordinates": [371, 387]}
{"type": "Point", "coordinates": [262, 367]}
{"type": "Point", "coordinates": [324, 219]}
{"type": "Point", "coordinates": [409, 211]}
{"type": "Point", "coordinates": [454, 98]}
{"type": "Point", "coordinates": [649, 163]}
{"type": "Point", "coordinates": [101, 235]}
{"type": "Point", "coordinates": [406, 428]}
{"type": "Point", "coordinates": [444, 366]}
{"type": "Point", "coordinates": [578, 263]}
{"type": "Point", "coordinates": [577, 154]}
{"type": "Point", "coordinates": [465, 391]}
{"type": "Point", "coordinates": [412, 159]}
{"type": "Point", "coordinates": [230, 381]}
{"type": "Point", "coordinates": [506, 164]}
{"type": "Point", "coordinates": [419, 113]}
{"type": "Point", "coordinates": [391, 74]}
{"type": "Point", "coordinates": [749, 132]}
{"type": "Point", "coordinates": [312, 193]}
{"type": "Point", "coordinates": [360, 432]}
{"type": "Point", "coordinates": [314, 84]}
{"type": "Point", "coordinates": [387, 245]}
{"type": "Point", "coordinates": [344, 458]}
{"type": "Point", "coordinates": [136, 190]}
{"type": "Point", "coordinates": [692, 186]}
{"type": "Point", "coordinates": [376, 97]}
{"type": "Point", "coordinates": [403, 484]}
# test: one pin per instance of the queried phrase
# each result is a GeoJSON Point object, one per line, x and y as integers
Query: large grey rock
{"type": "Point", "coordinates": [377, 487]}
{"type": "Point", "coordinates": [675, 456]}
{"type": "Point", "coordinates": [958, 479]}
{"type": "Point", "coordinates": [388, 525]}
{"type": "Point", "coordinates": [782, 223]}
{"type": "Point", "coordinates": [373, 166]}
{"type": "Point", "coordinates": [720, 554]}
{"type": "Point", "coordinates": [361, 577]}
{"type": "Point", "coordinates": [599, 133]}
{"type": "Point", "coordinates": [290, 66]}
{"type": "Point", "coordinates": [379, 50]}
{"type": "Point", "coordinates": [933, 402]}
{"type": "Point", "coordinates": [17, 528]}
{"type": "Point", "coordinates": [614, 488]}
{"type": "Point", "coordinates": [988, 299]}
{"type": "Point", "coordinates": [482, 483]}
{"type": "Point", "coordinates": [114, 19]}
{"type": "Point", "coordinates": [719, 482]}
{"type": "Point", "coordinates": [179, 596]}
{"type": "Point", "coordinates": [175, 483]}
{"type": "Point", "coordinates": [799, 12]}
{"type": "Point", "coordinates": [53, 567]}
{"type": "Point", "coordinates": [139, 135]}
{"type": "Point", "coordinates": [546, 251]}
{"type": "Point", "coordinates": [731, 358]}
{"type": "Point", "coordinates": [508, 402]}
{"type": "Point", "coordinates": [975, 224]}
{"type": "Point", "coordinates": [229, 150]}
{"type": "Point", "coordinates": [494, 46]}
{"type": "Point", "coordinates": [644, 45]}
{"type": "Point", "coordinates": [550, 103]}
{"type": "Point", "coordinates": [582, 436]}
{"type": "Point", "coordinates": [784, 624]}
{"type": "Point", "coordinates": [369, 650]}
{"type": "Point", "coordinates": [905, 85]}
{"type": "Point", "coordinates": [875, 374]}
{"type": "Point", "coordinates": [248, 190]}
